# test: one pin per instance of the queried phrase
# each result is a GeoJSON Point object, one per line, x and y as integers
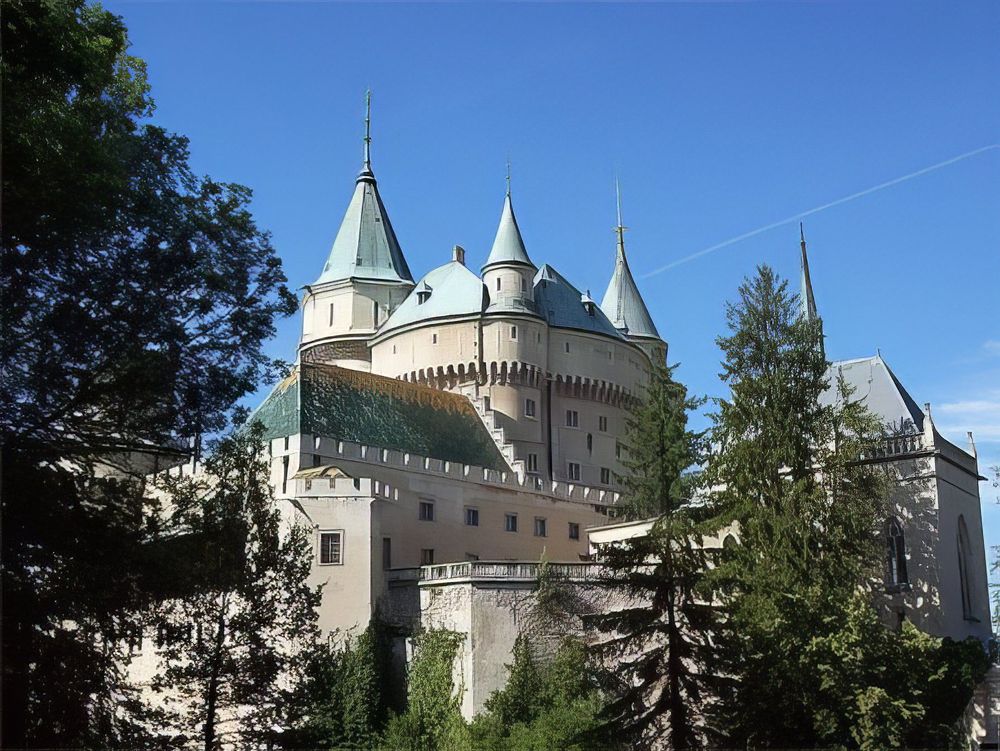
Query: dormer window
{"type": "Point", "coordinates": [424, 293]}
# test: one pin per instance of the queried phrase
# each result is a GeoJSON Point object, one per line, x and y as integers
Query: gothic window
{"type": "Point", "coordinates": [964, 569]}
{"type": "Point", "coordinates": [896, 553]}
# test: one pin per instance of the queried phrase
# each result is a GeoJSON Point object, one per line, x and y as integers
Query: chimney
{"type": "Point", "coordinates": [458, 254]}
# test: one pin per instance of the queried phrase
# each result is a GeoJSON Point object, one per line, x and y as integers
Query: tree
{"type": "Point", "coordinates": [246, 613]}
{"type": "Point", "coordinates": [657, 646]}
{"type": "Point", "coordinates": [432, 721]}
{"type": "Point", "coordinates": [543, 707]}
{"type": "Point", "coordinates": [341, 703]}
{"type": "Point", "coordinates": [789, 471]}
{"type": "Point", "coordinates": [136, 299]}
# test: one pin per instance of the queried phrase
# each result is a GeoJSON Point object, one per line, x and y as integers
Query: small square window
{"type": "Point", "coordinates": [427, 556]}
{"type": "Point", "coordinates": [331, 548]}
{"type": "Point", "coordinates": [472, 517]}
{"type": "Point", "coordinates": [539, 526]}
{"type": "Point", "coordinates": [574, 531]}
{"type": "Point", "coordinates": [574, 471]}
{"type": "Point", "coordinates": [529, 407]}
{"type": "Point", "coordinates": [572, 418]}
{"type": "Point", "coordinates": [532, 462]}
{"type": "Point", "coordinates": [513, 332]}
{"type": "Point", "coordinates": [605, 476]}
{"type": "Point", "coordinates": [510, 522]}
{"type": "Point", "coordinates": [602, 423]}
{"type": "Point", "coordinates": [426, 511]}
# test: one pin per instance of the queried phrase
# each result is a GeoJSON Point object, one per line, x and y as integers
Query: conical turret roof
{"type": "Point", "coordinates": [508, 246]}
{"type": "Point", "coordinates": [622, 302]}
{"type": "Point", "coordinates": [366, 246]}
{"type": "Point", "coordinates": [806, 299]}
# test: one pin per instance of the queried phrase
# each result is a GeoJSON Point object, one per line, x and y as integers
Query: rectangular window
{"type": "Point", "coordinates": [574, 471]}
{"type": "Point", "coordinates": [284, 473]}
{"type": "Point", "coordinates": [375, 312]}
{"type": "Point", "coordinates": [567, 346]}
{"type": "Point", "coordinates": [426, 511]}
{"type": "Point", "coordinates": [572, 418]}
{"type": "Point", "coordinates": [317, 459]}
{"type": "Point", "coordinates": [532, 462]}
{"type": "Point", "coordinates": [427, 556]}
{"type": "Point", "coordinates": [434, 338]}
{"type": "Point", "coordinates": [510, 522]}
{"type": "Point", "coordinates": [529, 407]}
{"type": "Point", "coordinates": [386, 553]}
{"type": "Point", "coordinates": [498, 284]}
{"type": "Point", "coordinates": [605, 476]}
{"type": "Point", "coordinates": [602, 423]}
{"type": "Point", "coordinates": [331, 314]}
{"type": "Point", "coordinates": [618, 450]}
{"type": "Point", "coordinates": [574, 531]}
{"type": "Point", "coordinates": [472, 517]}
{"type": "Point", "coordinates": [513, 332]}
{"type": "Point", "coordinates": [539, 526]}
{"type": "Point", "coordinates": [331, 548]}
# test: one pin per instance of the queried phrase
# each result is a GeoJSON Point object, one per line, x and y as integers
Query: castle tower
{"type": "Point", "coordinates": [508, 272]}
{"type": "Point", "coordinates": [365, 278]}
{"type": "Point", "coordinates": [623, 304]}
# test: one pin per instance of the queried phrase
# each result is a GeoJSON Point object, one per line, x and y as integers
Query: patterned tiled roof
{"type": "Point", "coordinates": [377, 411]}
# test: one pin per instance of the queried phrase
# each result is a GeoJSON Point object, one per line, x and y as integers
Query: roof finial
{"type": "Point", "coordinates": [368, 129]}
{"type": "Point", "coordinates": [620, 229]}
{"type": "Point", "coordinates": [806, 299]}
{"type": "Point", "coordinates": [508, 175]}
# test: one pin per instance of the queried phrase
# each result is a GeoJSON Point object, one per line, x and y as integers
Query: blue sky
{"type": "Point", "coordinates": [719, 118]}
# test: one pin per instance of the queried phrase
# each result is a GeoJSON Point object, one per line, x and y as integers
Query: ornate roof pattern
{"type": "Point", "coordinates": [377, 411]}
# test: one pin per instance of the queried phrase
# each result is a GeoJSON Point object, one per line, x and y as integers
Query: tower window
{"type": "Point", "coordinates": [572, 418]}
{"type": "Point", "coordinates": [513, 332]}
{"type": "Point", "coordinates": [532, 462]}
{"type": "Point", "coordinates": [602, 423]}
{"type": "Point", "coordinates": [567, 347]}
{"type": "Point", "coordinates": [331, 548]}
{"type": "Point", "coordinates": [590, 443]}
{"type": "Point", "coordinates": [524, 285]}
{"type": "Point", "coordinates": [574, 471]}
{"type": "Point", "coordinates": [529, 407]}
{"type": "Point", "coordinates": [331, 314]}
{"type": "Point", "coordinates": [510, 522]}
{"type": "Point", "coordinates": [498, 284]}
{"type": "Point", "coordinates": [434, 338]}
{"type": "Point", "coordinates": [605, 476]}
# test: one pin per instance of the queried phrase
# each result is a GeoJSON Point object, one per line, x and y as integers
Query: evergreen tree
{"type": "Point", "coordinates": [657, 647]}
{"type": "Point", "coordinates": [788, 470]}
{"type": "Point", "coordinates": [246, 615]}
{"type": "Point", "coordinates": [543, 707]}
{"type": "Point", "coordinates": [433, 720]}
{"type": "Point", "coordinates": [136, 298]}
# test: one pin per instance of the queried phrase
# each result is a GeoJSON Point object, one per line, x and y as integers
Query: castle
{"type": "Point", "coordinates": [441, 435]}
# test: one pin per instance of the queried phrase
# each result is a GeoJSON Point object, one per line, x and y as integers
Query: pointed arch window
{"type": "Point", "coordinates": [896, 551]}
{"type": "Point", "coordinates": [965, 569]}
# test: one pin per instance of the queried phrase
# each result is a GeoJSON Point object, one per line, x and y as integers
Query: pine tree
{"type": "Point", "coordinates": [798, 586]}
{"type": "Point", "coordinates": [246, 615]}
{"type": "Point", "coordinates": [657, 648]}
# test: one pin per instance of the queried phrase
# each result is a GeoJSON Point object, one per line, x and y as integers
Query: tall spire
{"type": "Point", "coordinates": [368, 131]}
{"type": "Point", "coordinates": [366, 246]}
{"type": "Point", "coordinates": [508, 245]}
{"type": "Point", "coordinates": [622, 302]}
{"type": "Point", "coordinates": [806, 298]}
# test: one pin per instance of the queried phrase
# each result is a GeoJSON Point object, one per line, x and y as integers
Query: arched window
{"type": "Point", "coordinates": [964, 568]}
{"type": "Point", "coordinates": [897, 553]}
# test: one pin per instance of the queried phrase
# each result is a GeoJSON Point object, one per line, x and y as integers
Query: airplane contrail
{"type": "Point", "coordinates": [831, 204]}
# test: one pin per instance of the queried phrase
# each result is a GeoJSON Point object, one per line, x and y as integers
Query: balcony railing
{"type": "Point", "coordinates": [897, 445]}
{"type": "Point", "coordinates": [508, 571]}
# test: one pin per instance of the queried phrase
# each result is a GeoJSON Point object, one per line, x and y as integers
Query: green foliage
{"type": "Point", "coordinates": [340, 702]}
{"type": "Point", "coordinates": [241, 627]}
{"type": "Point", "coordinates": [137, 297]}
{"type": "Point", "coordinates": [432, 721]}
{"type": "Point", "coordinates": [543, 707]}
{"type": "Point", "coordinates": [655, 650]}
{"type": "Point", "coordinates": [813, 664]}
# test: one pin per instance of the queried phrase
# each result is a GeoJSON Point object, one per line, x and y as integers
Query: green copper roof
{"type": "Point", "coordinates": [508, 246]}
{"type": "Point", "coordinates": [377, 411]}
